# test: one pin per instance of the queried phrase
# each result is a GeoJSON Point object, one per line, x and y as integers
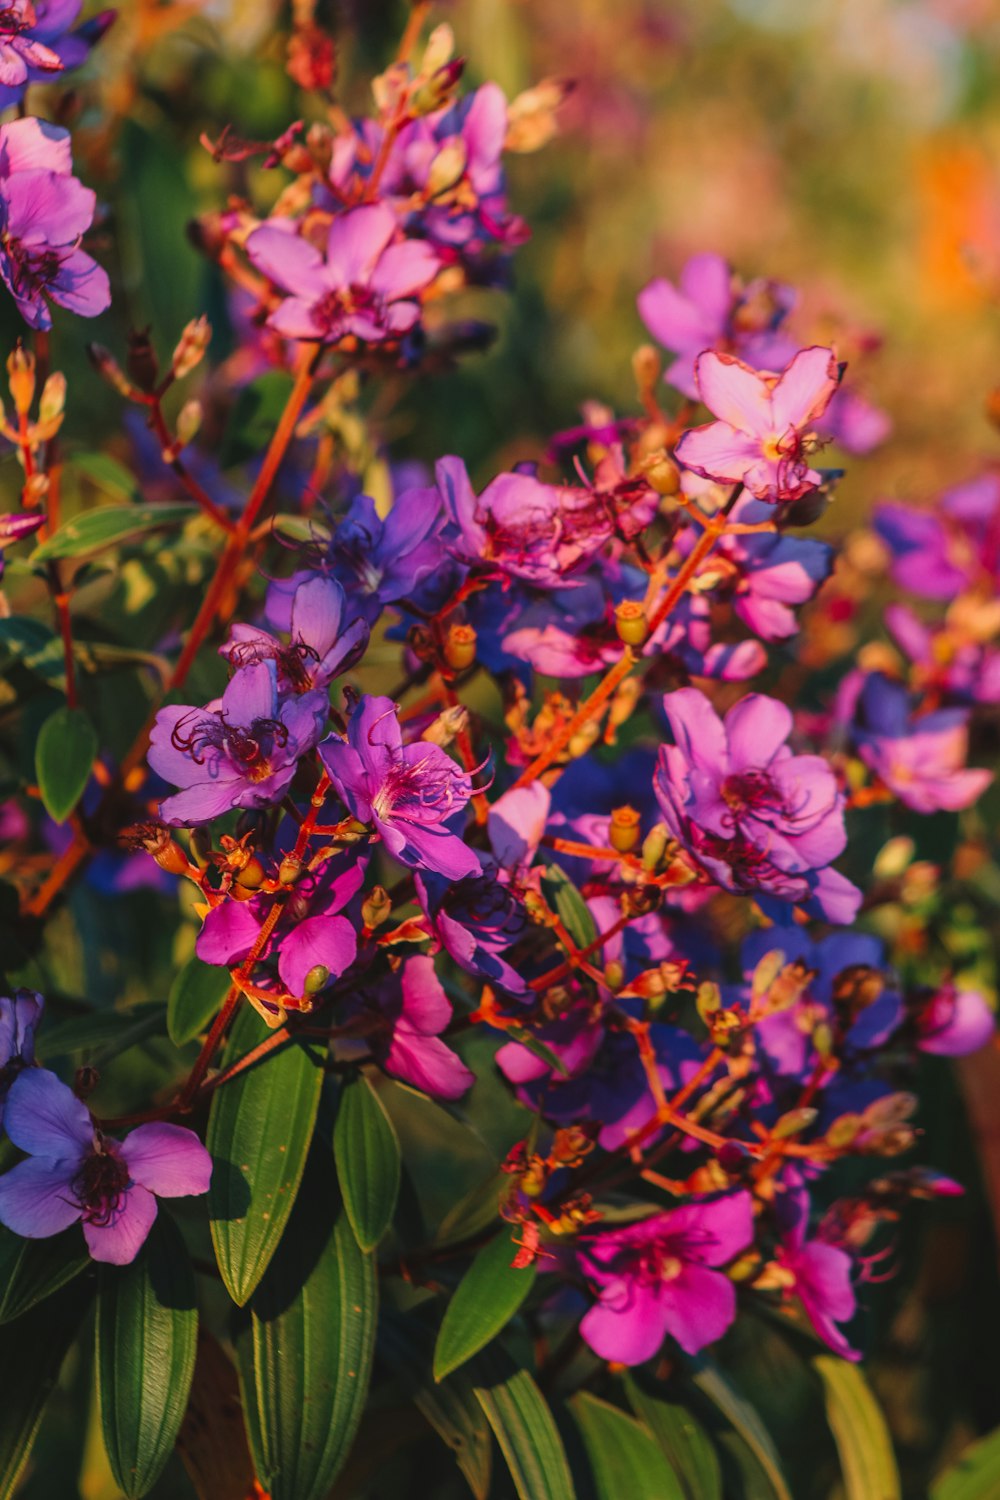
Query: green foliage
{"type": "Point", "coordinates": [483, 1303]}
{"type": "Point", "coordinates": [366, 1150]}
{"type": "Point", "coordinates": [147, 1330]}
{"type": "Point", "coordinates": [859, 1426]}
{"type": "Point", "coordinates": [683, 1439]}
{"type": "Point", "coordinates": [525, 1428]}
{"type": "Point", "coordinates": [625, 1459]}
{"type": "Point", "coordinates": [974, 1476]}
{"type": "Point", "coordinates": [259, 1129]}
{"type": "Point", "coordinates": [32, 1350]}
{"type": "Point", "coordinates": [64, 754]}
{"type": "Point", "coordinates": [745, 1427]}
{"type": "Point", "coordinates": [196, 995]}
{"type": "Point", "coordinates": [96, 531]}
{"type": "Point", "coordinates": [31, 1270]}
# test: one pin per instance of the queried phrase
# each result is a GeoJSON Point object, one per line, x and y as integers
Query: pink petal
{"type": "Point", "coordinates": [357, 239]}
{"type": "Point", "coordinates": [168, 1159]}
{"type": "Point", "coordinates": [718, 451]}
{"type": "Point", "coordinates": [756, 728]}
{"type": "Point", "coordinates": [118, 1242]}
{"type": "Point", "coordinates": [734, 392]}
{"type": "Point", "coordinates": [805, 389]}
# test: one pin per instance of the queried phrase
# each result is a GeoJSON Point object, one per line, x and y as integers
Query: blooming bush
{"type": "Point", "coordinates": [551, 968]}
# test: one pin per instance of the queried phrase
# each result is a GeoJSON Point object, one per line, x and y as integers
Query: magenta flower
{"type": "Point", "coordinates": [764, 576]}
{"type": "Point", "coordinates": [367, 285]}
{"type": "Point", "coordinates": [409, 792]}
{"type": "Point", "coordinates": [921, 758]}
{"type": "Point", "coordinates": [654, 1278]}
{"type": "Point", "coordinates": [475, 921]}
{"type": "Point", "coordinates": [36, 43]}
{"type": "Point", "coordinates": [74, 1172]}
{"type": "Point", "coordinates": [953, 1022]}
{"type": "Point", "coordinates": [311, 934]}
{"type": "Point", "coordinates": [410, 1010]}
{"type": "Point", "coordinates": [322, 644]}
{"type": "Point", "coordinates": [240, 752]}
{"type": "Point", "coordinates": [821, 1277]}
{"type": "Point", "coordinates": [755, 817]}
{"type": "Point", "coordinates": [44, 212]}
{"type": "Point", "coordinates": [764, 430]}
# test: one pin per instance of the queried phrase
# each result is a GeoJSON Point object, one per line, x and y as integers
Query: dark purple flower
{"type": "Point", "coordinates": [654, 1278]}
{"type": "Point", "coordinates": [367, 285]}
{"type": "Point", "coordinates": [74, 1172]}
{"type": "Point", "coordinates": [411, 1010]}
{"type": "Point", "coordinates": [20, 1014]}
{"type": "Point", "coordinates": [241, 752]}
{"type": "Point", "coordinates": [44, 212]}
{"type": "Point", "coordinates": [311, 934]}
{"type": "Point", "coordinates": [475, 920]}
{"type": "Point", "coordinates": [409, 792]}
{"type": "Point", "coordinates": [322, 645]}
{"type": "Point", "coordinates": [919, 757]}
{"type": "Point", "coordinates": [758, 819]}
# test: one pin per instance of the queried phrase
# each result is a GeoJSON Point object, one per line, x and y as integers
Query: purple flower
{"type": "Point", "coordinates": [412, 1010]}
{"type": "Point", "coordinates": [821, 1276]}
{"type": "Point", "coordinates": [409, 792]}
{"type": "Point", "coordinates": [36, 43]}
{"type": "Point", "coordinates": [20, 1014]}
{"type": "Point", "coordinates": [954, 1022]}
{"type": "Point", "coordinates": [952, 659]}
{"type": "Point", "coordinates": [74, 1172]}
{"type": "Point", "coordinates": [921, 758]}
{"type": "Point", "coordinates": [366, 286]}
{"type": "Point", "coordinates": [765, 575]}
{"type": "Point", "coordinates": [375, 561]}
{"type": "Point", "coordinates": [44, 212]}
{"type": "Point", "coordinates": [14, 526]}
{"type": "Point", "coordinates": [762, 437]}
{"type": "Point", "coordinates": [475, 920]}
{"type": "Point", "coordinates": [654, 1278]}
{"type": "Point", "coordinates": [924, 557]}
{"type": "Point", "coordinates": [321, 645]}
{"type": "Point", "coordinates": [758, 819]}
{"type": "Point", "coordinates": [310, 934]}
{"type": "Point", "coordinates": [241, 752]}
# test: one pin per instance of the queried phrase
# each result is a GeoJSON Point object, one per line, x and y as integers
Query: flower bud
{"type": "Point", "coordinates": [110, 370]}
{"type": "Point", "coordinates": [631, 622]}
{"type": "Point", "coordinates": [614, 974]}
{"type": "Point", "coordinates": [793, 1123]}
{"type": "Point", "coordinates": [436, 90]}
{"type": "Point", "coordinates": [188, 422]}
{"type": "Point", "coordinates": [21, 373]}
{"type": "Point", "coordinates": [583, 741]}
{"type": "Point", "coordinates": [447, 168]}
{"type": "Point", "coordinates": [438, 51]}
{"type": "Point", "coordinates": [448, 725]}
{"type": "Point", "coordinates": [191, 347]}
{"type": "Point", "coordinates": [53, 400]}
{"type": "Point", "coordinates": [86, 1080]}
{"type": "Point", "coordinates": [290, 870]}
{"type": "Point", "coordinates": [531, 117]}
{"type": "Point", "coordinates": [460, 647]}
{"type": "Point", "coordinates": [646, 367]}
{"type": "Point", "coordinates": [708, 1001]}
{"type": "Point", "coordinates": [317, 979]}
{"type": "Point", "coordinates": [663, 475]}
{"type": "Point", "coordinates": [894, 858]}
{"type": "Point", "coordinates": [623, 830]}
{"type": "Point", "coordinates": [251, 877]}
{"type": "Point", "coordinates": [376, 907]}
{"type": "Point", "coordinates": [654, 847]}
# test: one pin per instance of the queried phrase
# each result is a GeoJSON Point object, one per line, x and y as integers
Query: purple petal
{"type": "Point", "coordinates": [288, 260]}
{"type": "Point", "coordinates": [118, 1241]}
{"type": "Point", "coordinates": [327, 942]}
{"type": "Point", "coordinates": [698, 1306]}
{"type": "Point", "coordinates": [228, 933]}
{"type": "Point", "coordinates": [356, 240]}
{"type": "Point", "coordinates": [252, 694]}
{"type": "Point", "coordinates": [36, 1198]}
{"type": "Point", "coordinates": [805, 389]}
{"type": "Point", "coordinates": [168, 1160]}
{"type": "Point", "coordinates": [735, 393]}
{"type": "Point", "coordinates": [30, 143]}
{"type": "Point", "coordinates": [756, 728]}
{"type": "Point", "coordinates": [404, 269]}
{"type": "Point", "coordinates": [427, 1064]}
{"type": "Point", "coordinates": [628, 1324]}
{"type": "Point", "coordinates": [45, 1118]}
{"type": "Point", "coordinates": [718, 451]}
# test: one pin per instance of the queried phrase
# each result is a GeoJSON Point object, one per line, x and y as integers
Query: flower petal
{"type": "Point", "coordinates": [36, 1198]}
{"type": "Point", "coordinates": [45, 1118]}
{"type": "Point", "coordinates": [734, 392]}
{"type": "Point", "coordinates": [167, 1159]}
{"type": "Point", "coordinates": [118, 1242]}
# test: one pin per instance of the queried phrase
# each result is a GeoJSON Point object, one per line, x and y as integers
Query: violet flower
{"type": "Point", "coordinates": [74, 1172]}
{"type": "Point", "coordinates": [756, 818]}
{"type": "Point", "coordinates": [322, 645]}
{"type": "Point", "coordinates": [409, 1010]}
{"type": "Point", "coordinates": [240, 752]}
{"type": "Point", "coordinates": [475, 921]}
{"type": "Point", "coordinates": [656, 1277]}
{"type": "Point", "coordinates": [365, 286]}
{"type": "Point", "coordinates": [951, 659]}
{"type": "Point", "coordinates": [20, 1015]}
{"type": "Point", "coordinates": [763, 434]}
{"type": "Point", "coordinates": [921, 758]}
{"type": "Point", "coordinates": [409, 792]}
{"type": "Point", "coordinates": [765, 575]}
{"type": "Point", "coordinates": [36, 43]}
{"type": "Point", "coordinates": [44, 212]}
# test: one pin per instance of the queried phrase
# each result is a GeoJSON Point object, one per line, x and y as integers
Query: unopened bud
{"type": "Point", "coordinates": [110, 370]}
{"type": "Point", "coordinates": [583, 741]}
{"type": "Point", "coordinates": [708, 1001]}
{"type": "Point", "coordinates": [614, 974]}
{"type": "Point", "coordinates": [251, 877]}
{"type": "Point", "coordinates": [449, 723]}
{"type": "Point", "coordinates": [646, 367]}
{"type": "Point", "coordinates": [654, 847]}
{"type": "Point", "coordinates": [191, 347]}
{"type": "Point", "coordinates": [631, 623]}
{"type": "Point", "coordinates": [447, 168]}
{"type": "Point", "coordinates": [460, 647]}
{"type": "Point", "coordinates": [35, 490]}
{"type": "Point", "coordinates": [21, 373]}
{"type": "Point", "coordinates": [624, 828]}
{"type": "Point", "coordinates": [351, 831]}
{"type": "Point", "coordinates": [188, 422]}
{"type": "Point", "coordinates": [438, 51]}
{"type": "Point", "coordinates": [733, 1158]}
{"type": "Point", "coordinates": [843, 1131]}
{"type": "Point", "coordinates": [53, 400]}
{"type": "Point", "coordinates": [86, 1080]}
{"type": "Point", "coordinates": [317, 979]}
{"type": "Point", "coordinates": [290, 870]}
{"type": "Point", "coordinates": [376, 907]}
{"type": "Point", "coordinates": [436, 91]}
{"type": "Point", "coordinates": [663, 475]}
{"type": "Point", "coordinates": [893, 859]}
{"type": "Point", "coordinates": [793, 1123]}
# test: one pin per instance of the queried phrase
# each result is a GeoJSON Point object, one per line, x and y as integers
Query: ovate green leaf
{"type": "Point", "coordinates": [625, 1459]}
{"type": "Point", "coordinates": [366, 1150]}
{"type": "Point", "coordinates": [859, 1428]}
{"type": "Point", "coordinates": [64, 755]}
{"type": "Point", "coordinates": [529, 1439]}
{"type": "Point", "coordinates": [483, 1303]}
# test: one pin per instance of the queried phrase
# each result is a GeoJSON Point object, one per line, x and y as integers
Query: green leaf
{"type": "Point", "coordinates": [366, 1150]}
{"type": "Point", "coordinates": [28, 640]}
{"type": "Point", "coordinates": [64, 755]}
{"type": "Point", "coordinates": [475, 1212]}
{"type": "Point", "coordinates": [259, 1129]}
{"type": "Point", "coordinates": [94, 531]}
{"type": "Point", "coordinates": [743, 1418]}
{"type": "Point", "coordinates": [31, 1270]}
{"type": "Point", "coordinates": [529, 1439]}
{"type": "Point", "coordinates": [974, 1476]}
{"type": "Point", "coordinates": [255, 415]}
{"type": "Point", "coordinates": [623, 1456]}
{"type": "Point", "coordinates": [196, 995]}
{"type": "Point", "coordinates": [859, 1428]}
{"type": "Point", "coordinates": [572, 910]}
{"type": "Point", "coordinates": [483, 1303]}
{"type": "Point", "coordinates": [147, 1332]}
{"type": "Point", "coordinates": [450, 1406]}
{"type": "Point", "coordinates": [31, 1353]}
{"type": "Point", "coordinates": [108, 475]}
{"type": "Point", "coordinates": [305, 1354]}
{"type": "Point", "coordinates": [105, 1033]}
{"type": "Point", "coordinates": [682, 1438]}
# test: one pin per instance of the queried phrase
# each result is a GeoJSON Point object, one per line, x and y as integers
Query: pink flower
{"type": "Point", "coordinates": [366, 286]}
{"type": "Point", "coordinates": [763, 433]}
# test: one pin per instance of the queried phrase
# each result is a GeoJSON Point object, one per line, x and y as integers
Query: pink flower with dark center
{"type": "Point", "coordinates": [763, 436]}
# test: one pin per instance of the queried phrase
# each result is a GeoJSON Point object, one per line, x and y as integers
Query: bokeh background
{"type": "Point", "coordinates": [849, 147]}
